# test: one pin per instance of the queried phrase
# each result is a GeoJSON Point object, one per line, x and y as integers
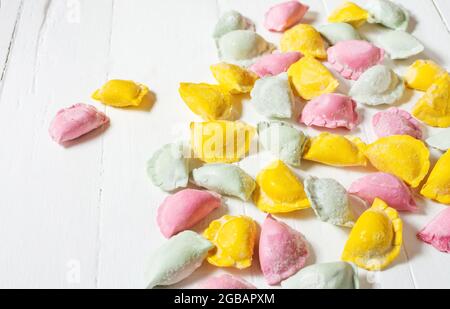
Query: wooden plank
{"type": "Point", "coordinates": [443, 7]}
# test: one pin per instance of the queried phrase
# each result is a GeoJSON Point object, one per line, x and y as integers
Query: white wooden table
{"type": "Point", "coordinates": [84, 217]}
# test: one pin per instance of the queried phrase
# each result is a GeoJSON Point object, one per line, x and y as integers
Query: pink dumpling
{"type": "Point", "coordinates": [395, 121]}
{"type": "Point", "coordinates": [437, 232]}
{"type": "Point", "coordinates": [184, 209]}
{"type": "Point", "coordinates": [75, 121]}
{"type": "Point", "coordinates": [354, 57]}
{"type": "Point", "coordinates": [226, 282]}
{"type": "Point", "coordinates": [330, 111]}
{"type": "Point", "coordinates": [282, 251]}
{"type": "Point", "coordinates": [275, 64]}
{"type": "Point", "coordinates": [284, 15]}
{"type": "Point", "coordinates": [386, 187]}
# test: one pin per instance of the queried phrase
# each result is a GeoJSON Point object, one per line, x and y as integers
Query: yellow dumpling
{"type": "Point", "coordinates": [375, 240]}
{"type": "Point", "coordinates": [305, 39]}
{"type": "Point", "coordinates": [349, 13]}
{"type": "Point", "coordinates": [121, 93]}
{"type": "Point", "coordinates": [211, 102]}
{"type": "Point", "coordinates": [336, 150]}
{"type": "Point", "coordinates": [234, 238]}
{"type": "Point", "coordinates": [434, 107]}
{"type": "Point", "coordinates": [279, 190]}
{"type": "Point", "coordinates": [401, 155]}
{"type": "Point", "coordinates": [422, 74]}
{"type": "Point", "coordinates": [437, 186]}
{"type": "Point", "coordinates": [221, 141]}
{"type": "Point", "coordinates": [233, 78]}
{"type": "Point", "coordinates": [310, 78]}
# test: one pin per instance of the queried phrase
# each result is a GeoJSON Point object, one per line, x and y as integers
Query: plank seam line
{"type": "Point", "coordinates": [410, 267]}
{"type": "Point", "coordinates": [447, 26]}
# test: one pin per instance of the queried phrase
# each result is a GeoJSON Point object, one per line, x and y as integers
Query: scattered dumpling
{"type": "Point", "coordinates": [376, 239]}
{"type": "Point", "coordinates": [401, 155]}
{"type": "Point", "coordinates": [279, 190]}
{"type": "Point", "coordinates": [434, 107]}
{"type": "Point", "coordinates": [422, 74]}
{"type": "Point", "coordinates": [329, 200]}
{"type": "Point", "coordinates": [242, 46]}
{"type": "Point", "coordinates": [330, 111]}
{"type": "Point", "coordinates": [225, 282]}
{"type": "Point", "coordinates": [305, 39]}
{"type": "Point", "coordinates": [337, 275]}
{"type": "Point", "coordinates": [225, 179]}
{"type": "Point", "coordinates": [231, 21]}
{"type": "Point", "coordinates": [234, 238]}
{"type": "Point", "coordinates": [284, 15]}
{"type": "Point", "coordinates": [310, 78]}
{"type": "Point", "coordinates": [169, 167]}
{"type": "Point", "coordinates": [437, 232]}
{"type": "Point", "coordinates": [211, 102]}
{"type": "Point", "coordinates": [394, 121]}
{"type": "Point", "coordinates": [437, 186]}
{"type": "Point", "coordinates": [185, 209]}
{"type": "Point", "coordinates": [388, 14]}
{"type": "Point", "coordinates": [386, 187]}
{"type": "Point", "coordinates": [440, 141]}
{"type": "Point", "coordinates": [233, 78]}
{"type": "Point", "coordinates": [221, 141]}
{"type": "Point", "coordinates": [273, 97]}
{"type": "Point", "coordinates": [337, 32]}
{"type": "Point", "coordinates": [336, 150]}
{"type": "Point", "coordinates": [283, 140]}
{"type": "Point", "coordinates": [283, 251]}
{"type": "Point", "coordinates": [177, 259]}
{"type": "Point", "coordinates": [121, 93]}
{"type": "Point", "coordinates": [76, 121]}
{"type": "Point", "coordinates": [350, 13]}
{"type": "Point", "coordinates": [352, 58]}
{"type": "Point", "coordinates": [275, 63]}
{"type": "Point", "coordinates": [398, 44]}
{"type": "Point", "coordinates": [378, 85]}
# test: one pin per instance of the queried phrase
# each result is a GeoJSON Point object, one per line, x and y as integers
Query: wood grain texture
{"type": "Point", "coordinates": [89, 209]}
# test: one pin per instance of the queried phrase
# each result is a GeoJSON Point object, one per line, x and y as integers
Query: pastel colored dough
{"type": "Point", "coordinates": [305, 39]}
{"type": "Point", "coordinates": [440, 141]}
{"type": "Point", "coordinates": [284, 15]}
{"type": "Point", "coordinates": [272, 97]}
{"type": "Point", "coordinates": [398, 44]}
{"type": "Point", "coordinates": [437, 232]}
{"type": "Point", "coordinates": [376, 239]}
{"type": "Point", "coordinates": [226, 282]}
{"type": "Point", "coordinates": [337, 32]}
{"type": "Point", "coordinates": [279, 190]}
{"type": "Point", "coordinates": [378, 85]}
{"type": "Point", "coordinates": [234, 238]}
{"type": "Point", "coordinates": [330, 111]}
{"type": "Point", "coordinates": [233, 78]}
{"type": "Point", "coordinates": [184, 210]}
{"type": "Point", "coordinates": [275, 64]}
{"type": "Point", "coordinates": [121, 93]}
{"type": "Point", "coordinates": [400, 155]}
{"type": "Point", "coordinates": [225, 179]}
{"type": "Point", "coordinates": [387, 187]}
{"type": "Point", "coordinates": [283, 141]}
{"type": "Point", "coordinates": [283, 251]}
{"type": "Point", "coordinates": [329, 200]}
{"type": "Point", "coordinates": [76, 121]}
{"type": "Point", "coordinates": [310, 78]}
{"type": "Point", "coordinates": [394, 121]}
{"type": "Point", "coordinates": [434, 106]}
{"type": "Point", "coordinates": [231, 21]}
{"type": "Point", "coordinates": [350, 13]}
{"type": "Point", "coordinates": [352, 58]}
{"type": "Point", "coordinates": [177, 259]}
{"type": "Point", "coordinates": [335, 150]}
{"type": "Point", "coordinates": [437, 186]}
{"type": "Point", "coordinates": [169, 167]}
{"type": "Point", "coordinates": [422, 74]}
{"type": "Point", "coordinates": [337, 275]}
{"type": "Point", "coordinates": [388, 14]}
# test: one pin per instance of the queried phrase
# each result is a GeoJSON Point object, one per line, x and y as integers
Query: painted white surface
{"type": "Point", "coordinates": [90, 209]}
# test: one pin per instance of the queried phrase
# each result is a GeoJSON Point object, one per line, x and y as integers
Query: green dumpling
{"type": "Point", "coordinates": [337, 32]}
{"type": "Point", "coordinates": [231, 21]}
{"type": "Point", "coordinates": [388, 14]}
{"type": "Point", "coordinates": [398, 44]}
